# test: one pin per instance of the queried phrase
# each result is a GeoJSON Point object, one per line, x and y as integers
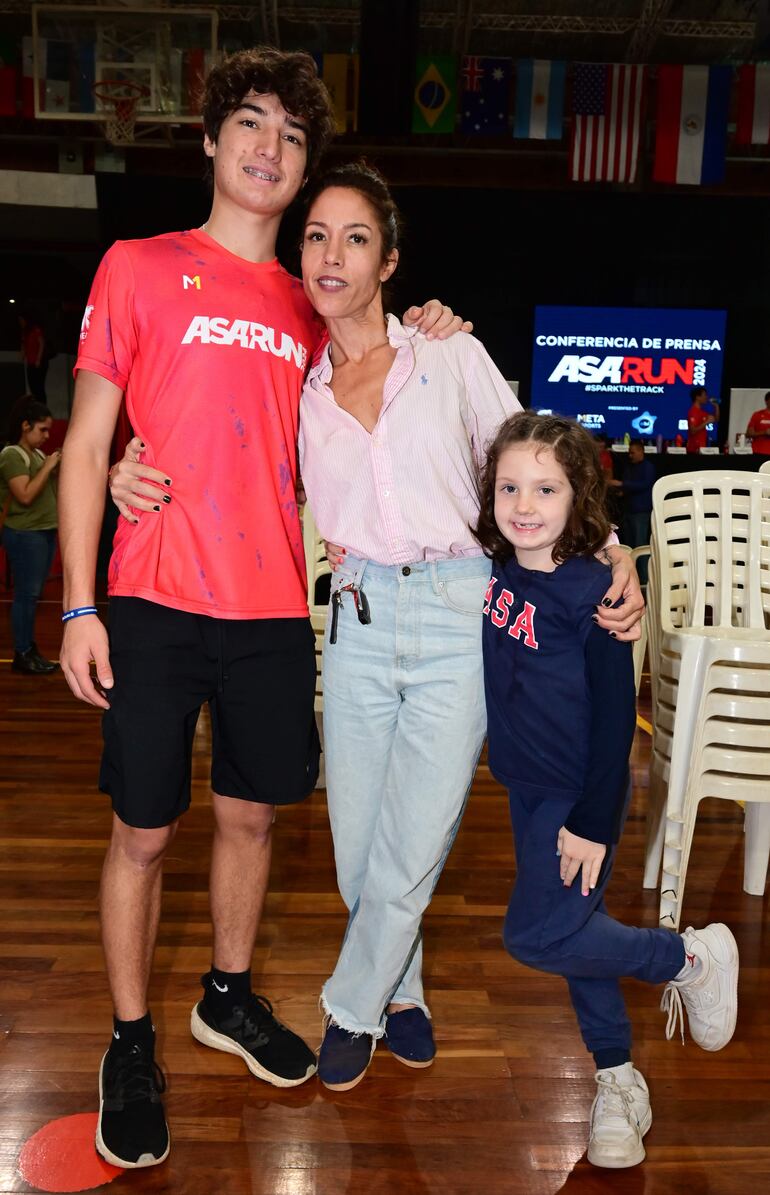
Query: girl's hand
{"type": "Point", "coordinates": [334, 554]}
{"type": "Point", "coordinates": [576, 853]}
{"type": "Point", "coordinates": [623, 621]}
{"type": "Point", "coordinates": [131, 483]}
{"type": "Point", "coordinates": [436, 321]}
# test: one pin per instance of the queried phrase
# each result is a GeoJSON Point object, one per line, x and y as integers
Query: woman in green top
{"type": "Point", "coordinates": [28, 494]}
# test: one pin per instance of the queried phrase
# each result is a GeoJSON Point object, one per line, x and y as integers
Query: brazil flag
{"type": "Point", "coordinates": [435, 95]}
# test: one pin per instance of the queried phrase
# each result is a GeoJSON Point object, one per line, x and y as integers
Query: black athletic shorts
{"type": "Point", "coordinates": [258, 676]}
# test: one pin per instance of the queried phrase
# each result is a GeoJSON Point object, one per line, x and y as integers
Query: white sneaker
{"type": "Point", "coordinates": [710, 995]}
{"type": "Point", "coordinates": [620, 1116]}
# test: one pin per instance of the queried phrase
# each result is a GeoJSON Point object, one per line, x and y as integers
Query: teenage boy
{"type": "Point", "coordinates": [208, 339]}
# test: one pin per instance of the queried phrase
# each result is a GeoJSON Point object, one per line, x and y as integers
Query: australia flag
{"type": "Point", "coordinates": [485, 85]}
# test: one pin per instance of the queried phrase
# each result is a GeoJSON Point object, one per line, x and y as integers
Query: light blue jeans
{"type": "Point", "coordinates": [404, 722]}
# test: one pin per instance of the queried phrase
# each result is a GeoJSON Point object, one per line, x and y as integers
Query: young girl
{"type": "Point", "coordinates": [561, 717]}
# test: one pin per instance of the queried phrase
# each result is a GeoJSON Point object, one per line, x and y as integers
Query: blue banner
{"type": "Point", "coordinates": [625, 369]}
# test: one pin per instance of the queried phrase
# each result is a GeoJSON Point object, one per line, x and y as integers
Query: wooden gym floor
{"type": "Point", "coordinates": [503, 1110]}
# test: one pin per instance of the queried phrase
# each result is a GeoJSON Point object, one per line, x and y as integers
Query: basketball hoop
{"type": "Point", "coordinates": [122, 96]}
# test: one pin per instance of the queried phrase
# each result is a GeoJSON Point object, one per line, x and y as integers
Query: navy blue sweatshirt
{"type": "Point", "coordinates": [561, 704]}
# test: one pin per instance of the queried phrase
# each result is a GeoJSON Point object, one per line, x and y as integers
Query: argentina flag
{"type": "Point", "coordinates": [539, 99]}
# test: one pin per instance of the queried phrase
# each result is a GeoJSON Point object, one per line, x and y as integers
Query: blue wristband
{"type": "Point", "coordinates": [78, 612]}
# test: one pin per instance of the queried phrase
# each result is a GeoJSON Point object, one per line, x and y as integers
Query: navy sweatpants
{"type": "Point", "coordinates": [557, 929]}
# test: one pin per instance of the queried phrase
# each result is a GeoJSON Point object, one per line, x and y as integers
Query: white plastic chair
{"type": "Point", "coordinates": [317, 566]}
{"type": "Point", "coordinates": [710, 563]}
{"type": "Point", "coordinates": [640, 646]}
{"type": "Point", "coordinates": [765, 468]}
{"type": "Point", "coordinates": [731, 761]}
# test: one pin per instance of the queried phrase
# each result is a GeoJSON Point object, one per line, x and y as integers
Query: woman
{"type": "Point", "coordinates": [28, 493]}
{"type": "Point", "coordinates": [393, 430]}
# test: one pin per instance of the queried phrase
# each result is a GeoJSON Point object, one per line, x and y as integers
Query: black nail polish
{"type": "Point", "coordinates": [156, 508]}
{"type": "Point", "coordinates": [595, 617]}
{"type": "Point", "coordinates": [167, 481]}
{"type": "Point", "coordinates": [142, 444]}
{"type": "Point", "coordinates": [166, 497]}
{"type": "Point", "coordinates": [606, 601]}
{"type": "Point", "coordinates": [613, 635]}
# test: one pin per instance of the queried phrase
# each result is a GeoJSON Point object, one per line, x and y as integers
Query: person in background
{"type": "Point", "coordinates": [605, 457]}
{"type": "Point", "coordinates": [636, 490]}
{"type": "Point", "coordinates": [758, 430]}
{"type": "Point", "coordinates": [28, 496]}
{"type": "Point", "coordinates": [698, 418]}
{"type": "Point", "coordinates": [33, 355]}
{"type": "Point", "coordinates": [561, 715]}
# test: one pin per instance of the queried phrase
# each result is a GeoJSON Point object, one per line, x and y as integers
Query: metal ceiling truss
{"type": "Point", "coordinates": [646, 28]}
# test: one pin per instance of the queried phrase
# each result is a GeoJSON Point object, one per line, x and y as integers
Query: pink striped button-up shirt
{"type": "Point", "coordinates": [406, 491]}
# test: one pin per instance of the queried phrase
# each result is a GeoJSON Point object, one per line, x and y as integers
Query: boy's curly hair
{"type": "Point", "coordinates": [293, 77]}
{"type": "Point", "coordinates": [587, 526]}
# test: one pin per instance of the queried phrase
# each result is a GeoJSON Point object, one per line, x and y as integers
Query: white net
{"type": "Point", "coordinates": [118, 100]}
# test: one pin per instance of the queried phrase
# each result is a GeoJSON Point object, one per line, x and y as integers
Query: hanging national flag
{"type": "Point", "coordinates": [690, 143]}
{"type": "Point", "coordinates": [86, 69]}
{"type": "Point", "coordinates": [435, 95]}
{"type": "Point", "coordinates": [28, 75]}
{"type": "Point", "coordinates": [607, 110]}
{"type": "Point", "coordinates": [539, 99]}
{"type": "Point", "coordinates": [57, 77]}
{"type": "Point", "coordinates": [753, 123]}
{"type": "Point", "coordinates": [8, 76]}
{"type": "Point", "coordinates": [340, 74]}
{"type": "Point", "coordinates": [485, 85]}
{"type": "Point", "coordinates": [194, 71]}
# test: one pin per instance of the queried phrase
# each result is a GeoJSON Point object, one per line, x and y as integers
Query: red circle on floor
{"type": "Point", "coordinates": [62, 1157]}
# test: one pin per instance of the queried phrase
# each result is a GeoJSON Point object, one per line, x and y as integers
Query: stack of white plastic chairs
{"type": "Point", "coordinates": [317, 566]}
{"type": "Point", "coordinates": [709, 647]}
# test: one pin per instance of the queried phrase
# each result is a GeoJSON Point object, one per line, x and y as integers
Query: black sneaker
{"type": "Point", "coordinates": [32, 663]}
{"type": "Point", "coordinates": [132, 1129]}
{"type": "Point", "coordinates": [270, 1050]}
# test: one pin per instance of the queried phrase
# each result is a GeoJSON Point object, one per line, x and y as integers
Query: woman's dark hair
{"type": "Point", "coordinates": [587, 526]}
{"type": "Point", "coordinates": [26, 409]}
{"type": "Point", "coordinates": [360, 176]}
{"type": "Point", "coordinates": [263, 70]}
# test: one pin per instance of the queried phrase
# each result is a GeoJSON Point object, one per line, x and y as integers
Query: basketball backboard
{"type": "Point", "coordinates": [164, 52]}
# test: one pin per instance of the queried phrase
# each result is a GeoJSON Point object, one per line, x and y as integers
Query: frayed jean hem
{"type": "Point", "coordinates": [357, 1029]}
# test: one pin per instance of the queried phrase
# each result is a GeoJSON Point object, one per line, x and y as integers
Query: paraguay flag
{"type": "Point", "coordinates": [485, 84]}
{"type": "Point", "coordinates": [753, 124]}
{"type": "Point", "coordinates": [693, 103]}
{"type": "Point", "coordinates": [539, 99]}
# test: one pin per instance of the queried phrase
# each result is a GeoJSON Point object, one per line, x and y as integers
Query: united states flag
{"type": "Point", "coordinates": [607, 109]}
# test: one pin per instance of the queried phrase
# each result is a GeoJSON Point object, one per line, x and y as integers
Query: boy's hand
{"type": "Point", "coordinates": [436, 321]}
{"type": "Point", "coordinates": [579, 853]}
{"type": "Point", "coordinates": [85, 640]}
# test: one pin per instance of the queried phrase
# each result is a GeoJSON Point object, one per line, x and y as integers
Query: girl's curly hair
{"type": "Point", "coordinates": [293, 77]}
{"type": "Point", "coordinates": [587, 525]}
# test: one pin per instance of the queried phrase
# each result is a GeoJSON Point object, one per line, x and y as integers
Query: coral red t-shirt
{"type": "Point", "coordinates": [696, 439]}
{"type": "Point", "coordinates": [760, 422]}
{"type": "Point", "coordinates": [211, 352]}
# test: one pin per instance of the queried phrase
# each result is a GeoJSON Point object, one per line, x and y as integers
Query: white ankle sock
{"type": "Point", "coordinates": [624, 1074]}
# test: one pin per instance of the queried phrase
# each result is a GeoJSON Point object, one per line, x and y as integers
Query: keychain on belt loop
{"type": "Point", "coordinates": [360, 601]}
